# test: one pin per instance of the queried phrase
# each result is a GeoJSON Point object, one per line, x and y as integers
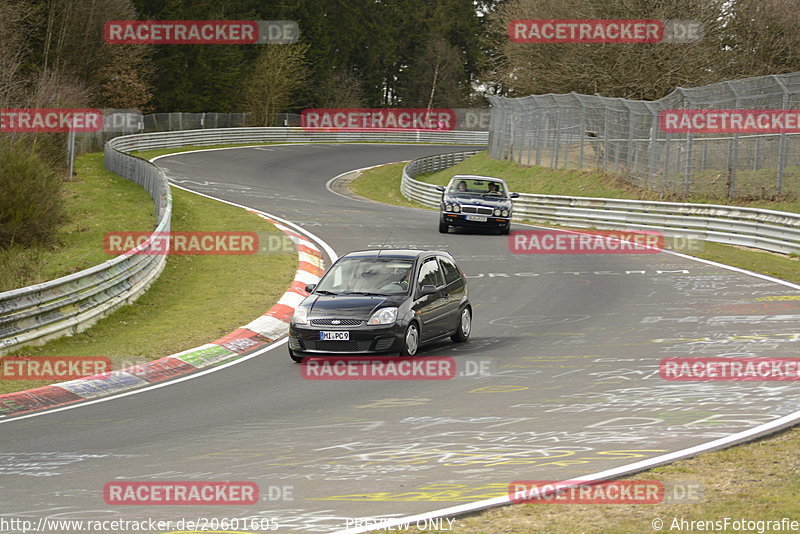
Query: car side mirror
{"type": "Point", "coordinates": [440, 188]}
{"type": "Point", "coordinates": [514, 195]}
{"type": "Point", "coordinates": [428, 289]}
{"type": "Point", "coordinates": [310, 288]}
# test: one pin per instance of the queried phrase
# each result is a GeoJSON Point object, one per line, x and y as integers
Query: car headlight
{"type": "Point", "coordinates": [505, 213]}
{"type": "Point", "coordinates": [300, 315]}
{"type": "Point", "coordinates": [384, 316]}
{"type": "Point", "coordinates": [448, 207]}
{"type": "Point", "coordinates": [497, 212]}
{"type": "Point", "coordinates": [456, 208]}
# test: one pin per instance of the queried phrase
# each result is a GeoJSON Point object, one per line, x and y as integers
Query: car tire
{"type": "Point", "coordinates": [294, 357]}
{"type": "Point", "coordinates": [464, 326]}
{"type": "Point", "coordinates": [410, 342]}
{"type": "Point", "coordinates": [443, 227]}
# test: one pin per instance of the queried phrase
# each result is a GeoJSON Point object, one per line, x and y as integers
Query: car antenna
{"type": "Point", "coordinates": [384, 242]}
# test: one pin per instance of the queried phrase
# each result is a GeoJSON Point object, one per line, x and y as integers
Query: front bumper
{"type": "Point", "coordinates": [363, 339]}
{"type": "Point", "coordinates": [460, 219]}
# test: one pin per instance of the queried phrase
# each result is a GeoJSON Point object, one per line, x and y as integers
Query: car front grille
{"type": "Point", "coordinates": [339, 322]}
{"type": "Point", "coordinates": [337, 346]}
{"type": "Point", "coordinates": [477, 210]}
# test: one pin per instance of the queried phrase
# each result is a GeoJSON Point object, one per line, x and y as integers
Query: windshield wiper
{"type": "Point", "coordinates": [366, 293]}
{"type": "Point", "coordinates": [323, 292]}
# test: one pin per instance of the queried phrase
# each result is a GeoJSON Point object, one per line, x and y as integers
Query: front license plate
{"type": "Point", "coordinates": [476, 218]}
{"type": "Point", "coordinates": [334, 336]}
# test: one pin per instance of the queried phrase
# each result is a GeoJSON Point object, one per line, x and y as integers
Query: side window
{"type": "Point", "coordinates": [450, 271]}
{"type": "Point", "coordinates": [429, 273]}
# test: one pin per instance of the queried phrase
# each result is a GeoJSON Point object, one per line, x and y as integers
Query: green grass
{"type": "Point", "coordinates": [383, 184]}
{"type": "Point", "coordinates": [581, 183]}
{"type": "Point", "coordinates": [195, 300]}
{"type": "Point", "coordinates": [80, 241]}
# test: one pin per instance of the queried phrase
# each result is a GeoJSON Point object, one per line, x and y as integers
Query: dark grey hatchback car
{"type": "Point", "coordinates": [375, 301]}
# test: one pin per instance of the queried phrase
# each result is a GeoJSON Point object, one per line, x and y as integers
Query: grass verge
{"type": "Point", "coordinates": [195, 300]}
{"type": "Point", "coordinates": [80, 240]}
{"type": "Point", "coordinates": [383, 184]}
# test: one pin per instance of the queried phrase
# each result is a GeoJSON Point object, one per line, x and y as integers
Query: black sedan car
{"type": "Point", "coordinates": [475, 202]}
{"type": "Point", "coordinates": [375, 301]}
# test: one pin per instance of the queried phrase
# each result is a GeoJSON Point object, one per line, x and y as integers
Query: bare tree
{"type": "Point", "coordinates": [278, 73]}
{"type": "Point", "coordinates": [72, 44]}
{"type": "Point", "coordinates": [341, 89]}
{"type": "Point", "coordinates": [640, 71]}
{"type": "Point", "coordinates": [437, 77]}
{"type": "Point", "coordinates": [13, 50]}
{"type": "Point", "coordinates": [762, 37]}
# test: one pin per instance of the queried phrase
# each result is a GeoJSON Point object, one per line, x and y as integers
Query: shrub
{"type": "Point", "coordinates": [31, 202]}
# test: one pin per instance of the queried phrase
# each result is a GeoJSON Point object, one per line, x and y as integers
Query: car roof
{"type": "Point", "coordinates": [393, 253]}
{"type": "Point", "coordinates": [477, 177]}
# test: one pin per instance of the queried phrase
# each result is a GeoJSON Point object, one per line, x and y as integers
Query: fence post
{"type": "Point", "coordinates": [582, 133]}
{"type": "Point", "coordinates": [733, 158]}
{"type": "Point", "coordinates": [557, 141]}
{"type": "Point", "coordinates": [605, 139]}
{"type": "Point", "coordinates": [687, 177]}
{"type": "Point", "coordinates": [782, 146]}
{"type": "Point", "coordinates": [631, 156]}
{"type": "Point", "coordinates": [651, 170]}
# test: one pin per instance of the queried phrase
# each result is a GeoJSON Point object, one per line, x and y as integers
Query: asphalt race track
{"type": "Point", "coordinates": [571, 344]}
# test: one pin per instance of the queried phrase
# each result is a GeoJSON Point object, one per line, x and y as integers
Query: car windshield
{"type": "Point", "coordinates": [473, 187]}
{"type": "Point", "coordinates": [367, 276]}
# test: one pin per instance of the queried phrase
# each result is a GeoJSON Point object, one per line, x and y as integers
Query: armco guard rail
{"type": "Point", "coordinates": [226, 136]}
{"type": "Point", "coordinates": [775, 231]}
{"type": "Point", "coordinates": [74, 302]}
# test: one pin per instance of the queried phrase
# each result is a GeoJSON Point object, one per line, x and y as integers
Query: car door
{"type": "Point", "coordinates": [431, 310]}
{"type": "Point", "coordinates": [454, 292]}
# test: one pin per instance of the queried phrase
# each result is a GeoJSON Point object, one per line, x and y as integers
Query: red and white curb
{"type": "Point", "coordinates": [254, 335]}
